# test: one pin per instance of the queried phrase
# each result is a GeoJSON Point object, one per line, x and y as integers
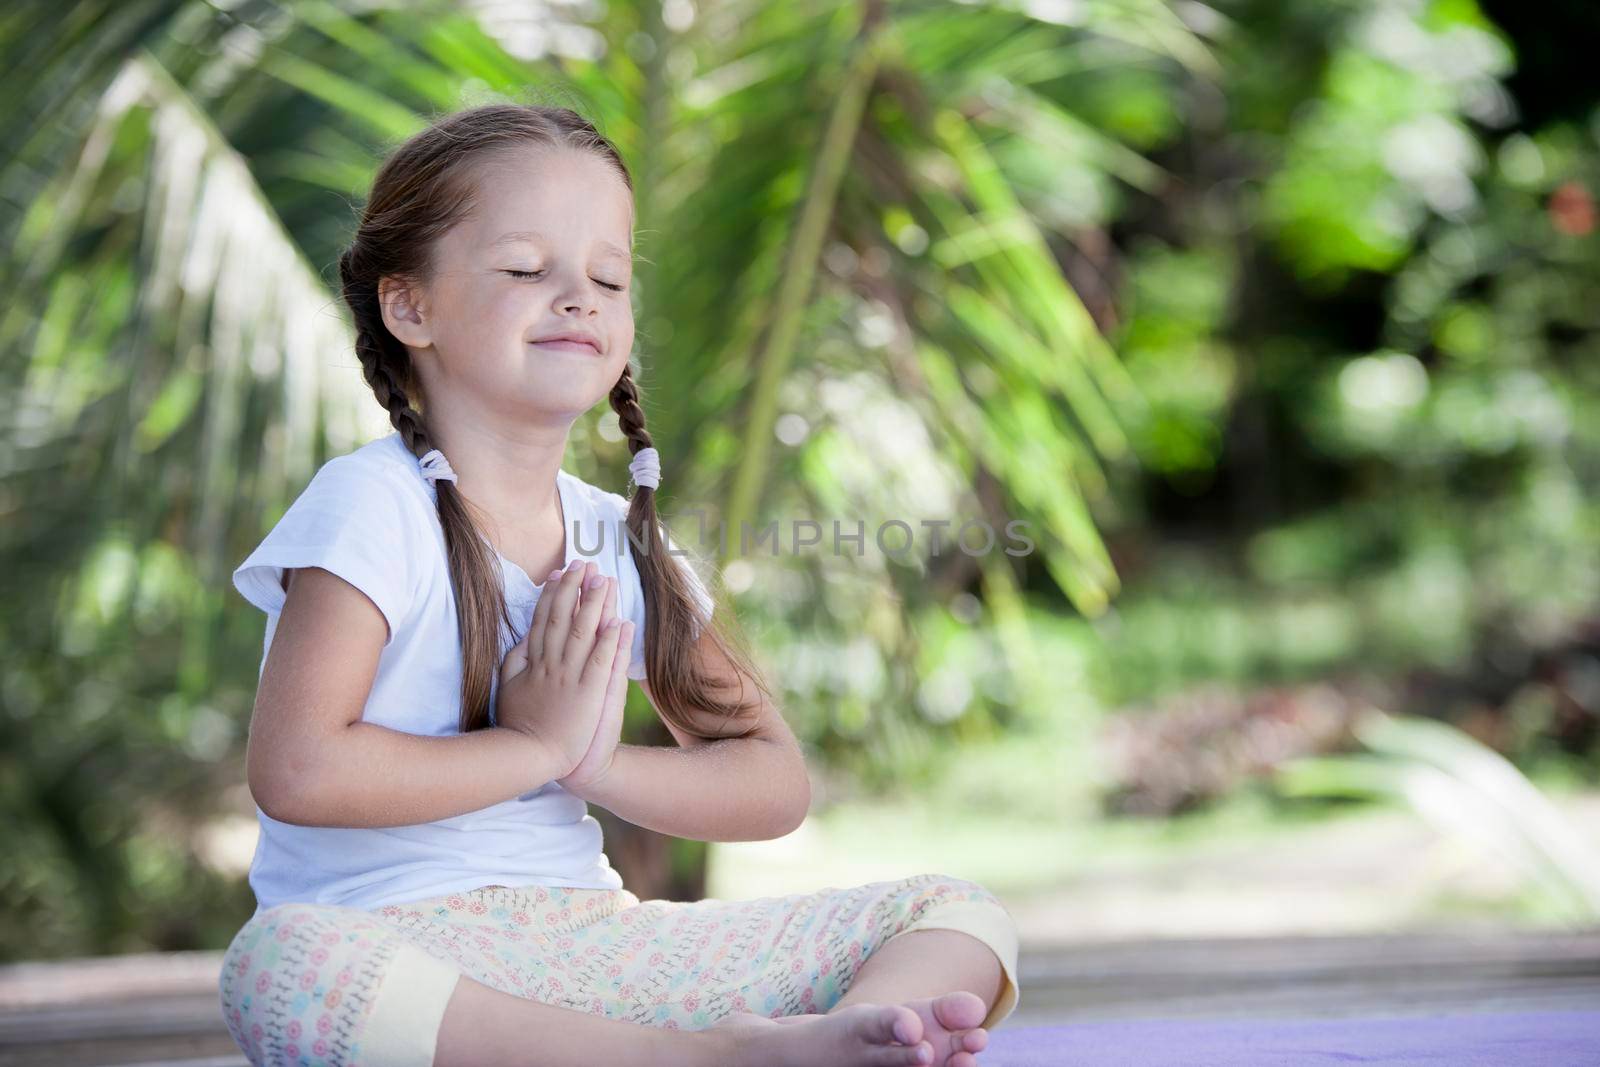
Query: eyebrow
{"type": "Point", "coordinates": [608, 247]}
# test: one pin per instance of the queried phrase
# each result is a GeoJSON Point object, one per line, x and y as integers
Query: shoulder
{"type": "Point", "coordinates": [386, 465]}
{"type": "Point", "coordinates": [372, 486]}
{"type": "Point", "coordinates": [362, 516]}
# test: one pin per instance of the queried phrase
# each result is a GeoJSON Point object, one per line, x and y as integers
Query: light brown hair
{"type": "Point", "coordinates": [422, 189]}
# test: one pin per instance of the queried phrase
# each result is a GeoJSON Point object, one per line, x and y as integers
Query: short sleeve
{"type": "Point", "coordinates": [631, 598]}
{"type": "Point", "coordinates": [351, 520]}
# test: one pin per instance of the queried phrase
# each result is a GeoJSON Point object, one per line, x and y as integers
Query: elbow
{"type": "Point", "coordinates": [805, 795]}
{"type": "Point", "coordinates": [277, 811]}
{"type": "Point", "coordinates": [285, 792]}
{"type": "Point", "coordinates": [285, 804]}
{"type": "Point", "coordinates": [788, 802]}
{"type": "Point", "coordinates": [275, 802]}
{"type": "Point", "coordinates": [799, 804]}
{"type": "Point", "coordinates": [302, 807]}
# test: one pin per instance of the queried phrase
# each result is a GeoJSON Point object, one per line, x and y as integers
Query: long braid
{"type": "Point", "coordinates": [678, 687]}
{"type": "Point", "coordinates": [385, 364]}
{"type": "Point", "coordinates": [630, 414]}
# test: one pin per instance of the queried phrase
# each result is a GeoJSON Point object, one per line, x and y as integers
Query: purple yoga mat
{"type": "Point", "coordinates": [1521, 1039]}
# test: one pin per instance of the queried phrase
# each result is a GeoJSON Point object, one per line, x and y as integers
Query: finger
{"type": "Point", "coordinates": [611, 600]}
{"type": "Point", "coordinates": [608, 602]}
{"type": "Point", "coordinates": [586, 620]}
{"type": "Point", "coordinates": [533, 640]}
{"type": "Point", "coordinates": [612, 707]}
{"type": "Point", "coordinates": [598, 663]}
{"type": "Point", "coordinates": [619, 664]}
{"type": "Point", "coordinates": [619, 655]}
{"type": "Point", "coordinates": [559, 624]}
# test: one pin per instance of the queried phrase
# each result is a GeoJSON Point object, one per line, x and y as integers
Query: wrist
{"type": "Point", "coordinates": [593, 785]}
{"type": "Point", "coordinates": [544, 765]}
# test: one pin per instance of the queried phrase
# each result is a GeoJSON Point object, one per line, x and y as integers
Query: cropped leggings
{"type": "Point", "coordinates": [313, 984]}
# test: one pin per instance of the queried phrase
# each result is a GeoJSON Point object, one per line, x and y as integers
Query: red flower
{"type": "Point", "coordinates": [1572, 209]}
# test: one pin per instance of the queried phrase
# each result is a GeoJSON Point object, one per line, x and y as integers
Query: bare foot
{"type": "Point", "coordinates": [950, 1023]}
{"type": "Point", "coordinates": [862, 1035]}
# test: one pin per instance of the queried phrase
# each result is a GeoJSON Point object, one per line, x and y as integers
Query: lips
{"type": "Point", "coordinates": [571, 343]}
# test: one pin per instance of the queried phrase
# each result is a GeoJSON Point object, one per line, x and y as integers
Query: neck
{"type": "Point", "coordinates": [508, 475]}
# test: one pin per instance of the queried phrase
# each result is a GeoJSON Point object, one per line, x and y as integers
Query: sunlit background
{"type": "Point", "coordinates": [1274, 320]}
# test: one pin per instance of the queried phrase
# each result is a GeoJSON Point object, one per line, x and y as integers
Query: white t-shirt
{"type": "Point", "coordinates": [371, 518]}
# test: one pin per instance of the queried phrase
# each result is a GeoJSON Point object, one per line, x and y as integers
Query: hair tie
{"type": "Point", "coordinates": [435, 466]}
{"type": "Point", "coordinates": [646, 468]}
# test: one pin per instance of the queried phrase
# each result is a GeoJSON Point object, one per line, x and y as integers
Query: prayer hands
{"type": "Point", "coordinates": [564, 684]}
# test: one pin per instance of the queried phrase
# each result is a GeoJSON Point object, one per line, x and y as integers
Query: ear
{"type": "Point", "coordinates": [404, 313]}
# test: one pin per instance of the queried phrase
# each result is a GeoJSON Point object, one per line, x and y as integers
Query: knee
{"type": "Point", "coordinates": [286, 968]}
{"type": "Point", "coordinates": [939, 901]}
{"type": "Point", "coordinates": [930, 890]}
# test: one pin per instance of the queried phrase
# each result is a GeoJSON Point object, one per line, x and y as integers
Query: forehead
{"type": "Point", "coordinates": [546, 197]}
{"type": "Point", "coordinates": [536, 237]}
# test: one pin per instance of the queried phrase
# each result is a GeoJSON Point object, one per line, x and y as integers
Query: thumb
{"type": "Point", "coordinates": [516, 661]}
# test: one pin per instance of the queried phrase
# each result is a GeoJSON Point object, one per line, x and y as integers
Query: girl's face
{"type": "Point", "coordinates": [546, 250]}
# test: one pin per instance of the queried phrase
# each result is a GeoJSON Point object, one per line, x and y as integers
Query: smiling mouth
{"type": "Point", "coordinates": [580, 347]}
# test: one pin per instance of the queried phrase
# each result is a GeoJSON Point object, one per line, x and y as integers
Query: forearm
{"type": "Point", "coordinates": [366, 775]}
{"type": "Point", "coordinates": [734, 789]}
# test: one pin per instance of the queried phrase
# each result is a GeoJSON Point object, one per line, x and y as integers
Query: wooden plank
{"type": "Point", "coordinates": [1310, 958]}
{"type": "Point", "coordinates": [1048, 1004]}
{"type": "Point", "coordinates": [106, 977]}
{"type": "Point", "coordinates": [163, 1008]}
{"type": "Point", "coordinates": [202, 1052]}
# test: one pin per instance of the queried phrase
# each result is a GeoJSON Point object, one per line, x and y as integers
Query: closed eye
{"type": "Point", "coordinates": [536, 273]}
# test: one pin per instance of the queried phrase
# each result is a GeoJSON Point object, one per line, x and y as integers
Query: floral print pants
{"type": "Point", "coordinates": [315, 984]}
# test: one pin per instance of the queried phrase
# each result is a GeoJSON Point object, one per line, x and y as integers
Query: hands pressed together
{"type": "Point", "coordinates": [565, 683]}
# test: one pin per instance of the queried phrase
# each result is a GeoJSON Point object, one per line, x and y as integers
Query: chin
{"type": "Point", "coordinates": [562, 396]}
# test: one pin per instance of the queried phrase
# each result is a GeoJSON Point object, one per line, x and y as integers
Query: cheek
{"type": "Point", "coordinates": [477, 317]}
{"type": "Point", "coordinates": [622, 336]}
{"type": "Point", "coordinates": [499, 309]}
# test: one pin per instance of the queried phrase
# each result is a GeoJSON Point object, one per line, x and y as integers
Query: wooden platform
{"type": "Point", "coordinates": [150, 1009]}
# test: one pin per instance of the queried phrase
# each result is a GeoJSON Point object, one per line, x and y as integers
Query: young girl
{"type": "Point", "coordinates": [431, 721]}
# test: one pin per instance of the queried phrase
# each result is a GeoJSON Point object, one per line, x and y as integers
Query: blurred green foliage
{"type": "Point", "coordinates": [1276, 320]}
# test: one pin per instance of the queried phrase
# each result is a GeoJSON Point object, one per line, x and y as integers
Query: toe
{"type": "Point", "coordinates": [961, 1059]}
{"type": "Point", "coordinates": [888, 1024]}
{"type": "Point", "coordinates": [975, 1040]}
{"type": "Point", "coordinates": [899, 1055]}
{"type": "Point", "coordinates": [906, 1025]}
{"type": "Point", "coordinates": [960, 1010]}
